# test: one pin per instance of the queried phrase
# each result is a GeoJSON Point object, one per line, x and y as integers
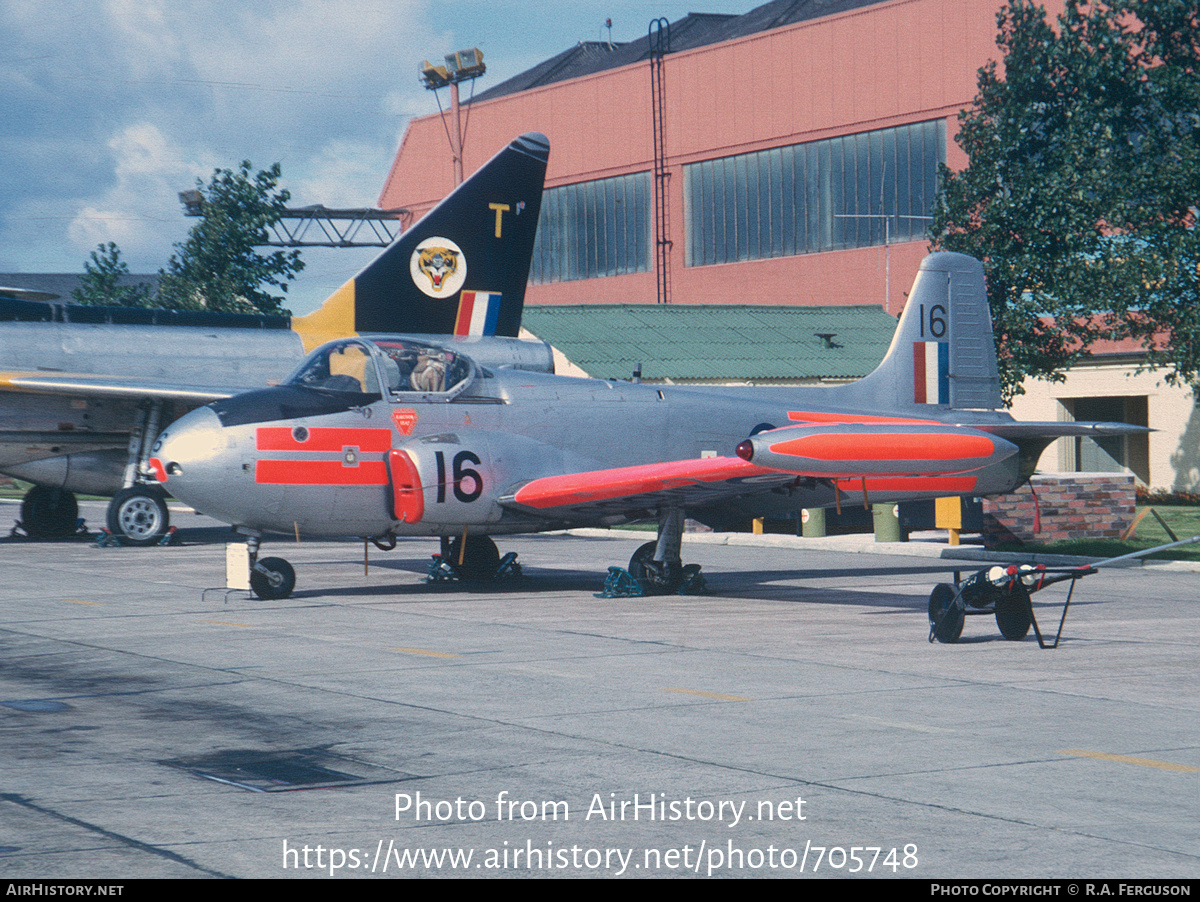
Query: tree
{"type": "Point", "coordinates": [1083, 176]}
{"type": "Point", "coordinates": [218, 268]}
{"type": "Point", "coordinates": [101, 285]}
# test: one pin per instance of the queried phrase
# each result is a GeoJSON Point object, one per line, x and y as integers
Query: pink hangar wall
{"type": "Point", "coordinates": [886, 65]}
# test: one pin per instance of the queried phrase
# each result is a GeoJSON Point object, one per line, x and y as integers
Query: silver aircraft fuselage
{"type": "Point", "coordinates": [508, 452]}
{"type": "Point", "coordinates": [394, 436]}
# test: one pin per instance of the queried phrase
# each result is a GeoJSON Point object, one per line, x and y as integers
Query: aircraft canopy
{"type": "Point", "coordinates": [404, 366]}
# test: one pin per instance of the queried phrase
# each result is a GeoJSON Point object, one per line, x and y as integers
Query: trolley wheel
{"type": "Point", "coordinates": [946, 618]}
{"type": "Point", "coordinates": [1014, 613]}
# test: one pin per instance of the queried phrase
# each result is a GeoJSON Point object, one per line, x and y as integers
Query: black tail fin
{"type": "Point", "coordinates": [460, 270]}
{"type": "Point", "coordinates": [943, 354]}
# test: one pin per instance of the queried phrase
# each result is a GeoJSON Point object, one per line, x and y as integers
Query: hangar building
{"type": "Point", "coordinates": [799, 147]}
{"type": "Point", "coordinates": [798, 138]}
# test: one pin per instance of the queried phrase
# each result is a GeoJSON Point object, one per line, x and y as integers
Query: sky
{"type": "Point", "coordinates": [110, 108]}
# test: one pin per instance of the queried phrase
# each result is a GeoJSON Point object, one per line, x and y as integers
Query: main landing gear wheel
{"type": "Point", "coordinates": [1014, 612]}
{"type": "Point", "coordinates": [480, 558]}
{"type": "Point", "coordinates": [138, 516]}
{"type": "Point", "coordinates": [277, 582]}
{"type": "Point", "coordinates": [660, 576]}
{"type": "Point", "coordinates": [946, 617]}
{"type": "Point", "coordinates": [48, 513]}
{"type": "Point", "coordinates": [637, 563]}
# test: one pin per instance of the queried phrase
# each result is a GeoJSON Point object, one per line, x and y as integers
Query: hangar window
{"type": "Point", "coordinates": [591, 229]}
{"type": "Point", "coordinates": [851, 191]}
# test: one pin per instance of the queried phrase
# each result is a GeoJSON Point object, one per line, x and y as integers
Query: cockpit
{"type": "Point", "coordinates": [401, 367]}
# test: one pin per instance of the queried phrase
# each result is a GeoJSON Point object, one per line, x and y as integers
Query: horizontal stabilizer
{"type": "Point", "coordinates": [1015, 431]}
{"type": "Point", "coordinates": [1033, 438]}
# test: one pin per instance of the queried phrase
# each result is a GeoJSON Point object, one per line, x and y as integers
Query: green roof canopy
{"type": "Point", "coordinates": [716, 343]}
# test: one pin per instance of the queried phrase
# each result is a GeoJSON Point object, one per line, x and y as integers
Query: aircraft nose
{"type": "Point", "coordinates": [186, 450]}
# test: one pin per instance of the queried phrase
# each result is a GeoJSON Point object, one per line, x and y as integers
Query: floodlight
{"type": "Point", "coordinates": [464, 64]}
{"type": "Point", "coordinates": [433, 76]}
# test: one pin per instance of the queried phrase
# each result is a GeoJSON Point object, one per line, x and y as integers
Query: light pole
{"type": "Point", "coordinates": [462, 65]}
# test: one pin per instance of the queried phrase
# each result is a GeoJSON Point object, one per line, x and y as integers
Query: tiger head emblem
{"type": "Point", "coordinates": [438, 264]}
{"type": "Point", "coordinates": [438, 267]}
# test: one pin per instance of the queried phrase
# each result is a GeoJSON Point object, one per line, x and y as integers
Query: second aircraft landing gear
{"type": "Point", "coordinates": [49, 513]}
{"type": "Point", "coordinates": [474, 557]}
{"type": "Point", "coordinates": [138, 515]}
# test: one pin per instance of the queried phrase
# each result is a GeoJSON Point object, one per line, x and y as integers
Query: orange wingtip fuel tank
{"type": "Point", "coordinates": [876, 449]}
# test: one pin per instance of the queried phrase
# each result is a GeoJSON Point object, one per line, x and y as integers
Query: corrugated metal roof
{"type": "Point", "coordinates": [715, 343]}
{"type": "Point", "coordinates": [693, 30]}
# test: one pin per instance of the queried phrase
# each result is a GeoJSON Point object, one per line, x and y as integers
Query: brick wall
{"type": "Point", "coordinates": [1072, 506]}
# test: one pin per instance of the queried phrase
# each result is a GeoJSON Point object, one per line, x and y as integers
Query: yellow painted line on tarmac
{"type": "Point", "coordinates": [1126, 759]}
{"type": "Point", "coordinates": [80, 601]}
{"type": "Point", "coordinates": [425, 652]}
{"type": "Point", "coordinates": [716, 695]}
{"type": "Point", "coordinates": [247, 626]}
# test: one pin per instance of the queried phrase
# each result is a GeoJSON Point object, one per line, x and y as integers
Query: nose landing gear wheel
{"type": "Point", "coordinates": [278, 582]}
{"type": "Point", "coordinates": [138, 516]}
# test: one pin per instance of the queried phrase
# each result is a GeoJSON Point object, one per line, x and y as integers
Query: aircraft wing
{"type": "Point", "coordinates": [682, 483]}
{"type": "Point", "coordinates": [922, 459]}
{"type": "Point", "coordinates": [84, 385]}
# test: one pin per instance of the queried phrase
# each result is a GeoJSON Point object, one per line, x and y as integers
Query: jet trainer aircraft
{"type": "Point", "coordinates": [384, 436]}
{"type": "Point", "coordinates": [84, 390]}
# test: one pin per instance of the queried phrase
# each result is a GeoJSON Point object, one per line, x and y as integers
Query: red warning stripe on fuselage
{"type": "Point", "coordinates": [319, 472]}
{"type": "Point", "coordinates": [322, 438]}
{"type": "Point", "coordinates": [350, 469]}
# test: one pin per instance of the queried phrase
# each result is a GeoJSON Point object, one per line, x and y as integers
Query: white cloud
{"type": "Point", "coordinates": [111, 107]}
{"type": "Point", "coordinates": [140, 209]}
{"type": "Point", "coordinates": [143, 36]}
{"type": "Point", "coordinates": [343, 173]}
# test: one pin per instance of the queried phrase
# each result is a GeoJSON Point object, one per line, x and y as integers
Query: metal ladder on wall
{"type": "Point", "coordinates": [660, 46]}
